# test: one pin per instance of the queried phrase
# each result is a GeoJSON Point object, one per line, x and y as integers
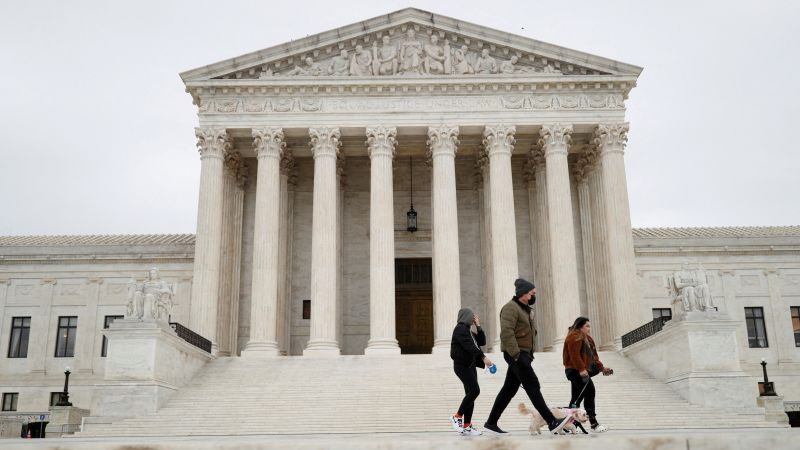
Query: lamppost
{"type": "Point", "coordinates": [769, 387]}
{"type": "Point", "coordinates": [411, 215]}
{"type": "Point", "coordinates": [64, 398]}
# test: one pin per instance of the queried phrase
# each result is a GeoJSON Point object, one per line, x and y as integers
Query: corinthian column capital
{"type": "Point", "coordinates": [325, 141]}
{"type": "Point", "coordinates": [442, 139]}
{"type": "Point", "coordinates": [212, 142]}
{"type": "Point", "coordinates": [381, 141]}
{"type": "Point", "coordinates": [611, 137]}
{"type": "Point", "coordinates": [268, 142]}
{"type": "Point", "coordinates": [555, 138]}
{"type": "Point", "coordinates": [499, 139]}
{"type": "Point", "coordinates": [585, 163]}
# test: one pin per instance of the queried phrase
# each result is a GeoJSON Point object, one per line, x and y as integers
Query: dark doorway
{"type": "Point", "coordinates": [414, 305]}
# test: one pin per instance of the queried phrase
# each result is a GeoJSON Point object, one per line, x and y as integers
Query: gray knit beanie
{"type": "Point", "coordinates": [522, 286]}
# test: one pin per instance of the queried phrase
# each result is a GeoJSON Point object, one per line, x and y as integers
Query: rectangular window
{"type": "Point", "coordinates": [107, 323]}
{"type": "Point", "coordinates": [756, 328]}
{"type": "Point", "coordinates": [67, 333]}
{"type": "Point", "coordinates": [54, 398]}
{"type": "Point", "coordinates": [20, 332]}
{"type": "Point", "coordinates": [10, 401]}
{"type": "Point", "coordinates": [662, 312]}
{"type": "Point", "coordinates": [306, 309]}
{"type": "Point", "coordinates": [796, 324]}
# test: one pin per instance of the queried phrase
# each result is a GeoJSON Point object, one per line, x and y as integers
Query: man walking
{"type": "Point", "coordinates": [516, 342]}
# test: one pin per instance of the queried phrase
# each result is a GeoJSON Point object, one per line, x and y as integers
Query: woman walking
{"type": "Point", "coordinates": [465, 350]}
{"type": "Point", "coordinates": [581, 363]}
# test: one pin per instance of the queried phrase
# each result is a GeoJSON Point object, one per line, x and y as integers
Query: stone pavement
{"type": "Point", "coordinates": [744, 439]}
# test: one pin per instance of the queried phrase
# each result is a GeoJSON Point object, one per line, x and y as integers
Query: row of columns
{"type": "Point", "coordinates": [605, 224]}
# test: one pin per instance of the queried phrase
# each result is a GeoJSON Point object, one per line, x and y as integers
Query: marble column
{"type": "Point", "coordinates": [381, 144]}
{"type": "Point", "coordinates": [498, 140]}
{"type": "Point", "coordinates": [482, 175]}
{"type": "Point", "coordinates": [269, 145]}
{"type": "Point", "coordinates": [582, 172]}
{"type": "Point", "coordinates": [324, 237]}
{"type": "Point", "coordinates": [442, 143]}
{"type": "Point", "coordinates": [212, 143]}
{"type": "Point", "coordinates": [554, 140]}
{"type": "Point", "coordinates": [285, 252]}
{"type": "Point", "coordinates": [603, 327]}
{"type": "Point", "coordinates": [232, 207]}
{"type": "Point", "coordinates": [610, 141]}
{"type": "Point", "coordinates": [544, 306]}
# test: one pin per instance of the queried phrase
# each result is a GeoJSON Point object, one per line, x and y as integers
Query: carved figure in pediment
{"type": "Point", "coordinates": [411, 54]}
{"type": "Point", "coordinates": [460, 63]}
{"type": "Point", "coordinates": [550, 69]}
{"type": "Point", "coordinates": [384, 59]}
{"type": "Point", "coordinates": [340, 65]}
{"type": "Point", "coordinates": [485, 63]}
{"type": "Point", "coordinates": [437, 57]}
{"type": "Point", "coordinates": [689, 286]}
{"type": "Point", "coordinates": [312, 68]}
{"type": "Point", "coordinates": [511, 66]}
{"type": "Point", "coordinates": [266, 72]}
{"type": "Point", "coordinates": [361, 62]}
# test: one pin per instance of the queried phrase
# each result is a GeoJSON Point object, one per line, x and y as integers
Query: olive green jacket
{"type": "Point", "coordinates": [516, 329]}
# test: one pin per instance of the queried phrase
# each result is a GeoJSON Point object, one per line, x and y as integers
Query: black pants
{"type": "Point", "coordinates": [574, 377]}
{"type": "Point", "coordinates": [469, 377]}
{"type": "Point", "coordinates": [519, 372]}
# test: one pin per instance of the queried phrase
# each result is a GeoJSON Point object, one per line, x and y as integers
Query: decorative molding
{"type": "Point", "coordinates": [611, 138]}
{"type": "Point", "coordinates": [499, 139]}
{"type": "Point", "coordinates": [420, 100]}
{"type": "Point", "coordinates": [325, 141]}
{"type": "Point", "coordinates": [381, 141]}
{"type": "Point", "coordinates": [555, 138]}
{"type": "Point", "coordinates": [212, 142]}
{"type": "Point", "coordinates": [442, 140]}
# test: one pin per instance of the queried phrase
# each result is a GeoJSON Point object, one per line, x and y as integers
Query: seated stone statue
{"type": "Point", "coordinates": [461, 65]}
{"type": "Point", "coordinates": [312, 68]}
{"type": "Point", "coordinates": [151, 300]}
{"type": "Point", "coordinates": [690, 288]}
{"type": "Point", "coordinates": [384, 60]}
{"type": "Point", "coordinates": [340, 65]}
{"type": "Point", "coordinates": [361, 62]}
{"type": "Point", "coordinates": [485, 63]}
{"type": "Point", "coordinates": [437, 58]}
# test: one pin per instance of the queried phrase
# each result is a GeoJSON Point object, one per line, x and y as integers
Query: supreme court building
{"type": "Point", "coordinates": [361, 185]}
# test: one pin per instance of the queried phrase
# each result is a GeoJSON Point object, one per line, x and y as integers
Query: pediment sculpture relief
{"type": "Point", "coordinates": [412, 53]}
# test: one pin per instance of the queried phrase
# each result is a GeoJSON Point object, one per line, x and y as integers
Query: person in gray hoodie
{"type": "Point", "coordinates": [466, 353]}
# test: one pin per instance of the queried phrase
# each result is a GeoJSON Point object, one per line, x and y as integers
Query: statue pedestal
{"type": "Point", "coordinates": [65, 420]}
{"type": "Point", "coordinates": [698, 356]}
{"type": "Point", "coordinates": [774, 408]}
{"type": "Point", "coordinates": [146, 363]}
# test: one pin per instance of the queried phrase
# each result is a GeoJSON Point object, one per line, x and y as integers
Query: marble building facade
{"type": "Point", "coordinates": [308, 149]}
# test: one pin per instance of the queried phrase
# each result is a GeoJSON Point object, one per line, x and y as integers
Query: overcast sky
{"type": "Point", "coordinates": [97, 133]}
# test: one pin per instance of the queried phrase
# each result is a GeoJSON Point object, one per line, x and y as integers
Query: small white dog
{"type": "Point", "coordinates": [537, 422]}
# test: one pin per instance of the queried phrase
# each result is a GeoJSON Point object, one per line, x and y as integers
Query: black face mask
{"type": "Point", "coordinates": [532, 300]}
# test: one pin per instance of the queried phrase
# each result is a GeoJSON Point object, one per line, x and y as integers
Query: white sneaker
{"type": "Point", "coordinates": [457, 423]}
{"type": "Point", "coordinates": [469, 431]}
{"type": "Point", "coordinates": [599, 429]}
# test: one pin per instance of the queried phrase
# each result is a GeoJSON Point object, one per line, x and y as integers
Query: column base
{"type": "Point", "coordinates": [558, 345]}
{"type": "Point", "coordinates": [261, 350]}
{"type": "Point", "coordinates": [441, 348]}
{"type": "Point", "coordinates": [322, 348]}
{"type": "Point", "coordinates": [382, 347]}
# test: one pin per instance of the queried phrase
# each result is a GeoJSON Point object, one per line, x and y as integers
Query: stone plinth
{"type": "Point", "coordinates": [147, 362]}
{"type": "Point", "coordinates": [64, 415]}
{"type": "Point", "coordinates": [698, 357]}
{"type": "Point", "coordinates": [774, 409]}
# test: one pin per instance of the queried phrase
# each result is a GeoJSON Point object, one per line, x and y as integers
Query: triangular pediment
{"type": "Point", "coordinates": [410, 43]}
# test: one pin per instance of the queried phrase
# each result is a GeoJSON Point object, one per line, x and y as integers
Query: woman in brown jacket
{"type": "Point", "coordinates": [581, 363]}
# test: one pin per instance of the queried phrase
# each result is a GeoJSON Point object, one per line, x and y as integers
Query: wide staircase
{"type": "Point", "coordinates": [414, 393]}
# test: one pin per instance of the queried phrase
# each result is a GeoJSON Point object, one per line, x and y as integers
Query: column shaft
{"type": "Point", "coordinates": [284, 265]}
{"type": "Point", "coordinates": [499, 143]}
{"type": "Point", "coordinates": [442, 142]}
{"type": "Point", "coordinates": [566, 299]}
{"type": "Point", "coordinates": [545, 308]}
{"type": "Point", "coordinates": [212, 143]}
{"type": "Point", "coordinates": [604, 325]}
{"type": "Point", "coordinates": [610, 140]}
{"type": "Point", "coordinates": [324, 238]}
{"type": "Point", "coordinates": [491, 321]}
{"type": "Point", "coordinates": [381, 143]}
{"type": "Point", "coordinates": [269, 146]}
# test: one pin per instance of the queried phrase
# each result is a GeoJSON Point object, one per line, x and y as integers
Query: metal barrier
{"type": "Point", "coordinates": [644, 331]}
{"type": "Point", "coordinates": [191, 337]}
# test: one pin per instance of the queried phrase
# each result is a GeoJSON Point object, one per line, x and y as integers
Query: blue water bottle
{"type": "Point", "coordinates": [491, 369]}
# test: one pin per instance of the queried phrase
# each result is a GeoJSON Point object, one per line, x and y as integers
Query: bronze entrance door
{"type": "Point", "coordinates": [414, 305]}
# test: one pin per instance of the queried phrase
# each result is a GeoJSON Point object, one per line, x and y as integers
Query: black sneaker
{"type": "Point", "coordinates": [493, 428]}
{"type": "Point", "coordinates": [558, 424]}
